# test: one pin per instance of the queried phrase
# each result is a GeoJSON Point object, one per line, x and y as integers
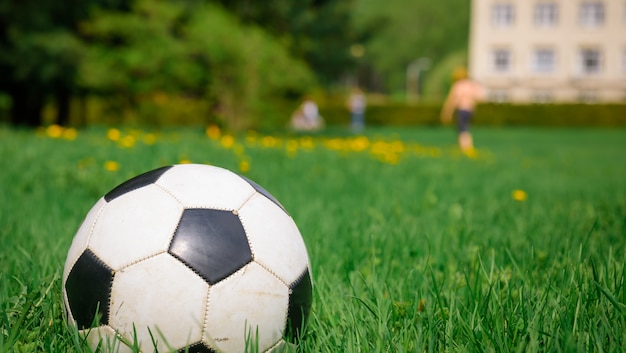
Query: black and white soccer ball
{"type": "Point", "coordinates": [188, 258]}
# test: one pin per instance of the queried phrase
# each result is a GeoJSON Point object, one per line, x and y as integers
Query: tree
{"type": "Point", "coordinates": [320, 32]}
{"type": "Point", "coordinates": [40, 51]}
{"type": "Point", "coordinates": [193, 49]}
{"type": "Point", "coordinates": [405, 30]}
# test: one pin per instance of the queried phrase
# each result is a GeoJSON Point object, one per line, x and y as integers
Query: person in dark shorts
{"type": "Point", "coordinates": [462, 99]}
{"type": "Point", "coordinates": [463, 118]}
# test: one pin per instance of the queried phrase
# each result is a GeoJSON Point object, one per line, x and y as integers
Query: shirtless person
{"type": "Point", "coordinates": [462, 99]}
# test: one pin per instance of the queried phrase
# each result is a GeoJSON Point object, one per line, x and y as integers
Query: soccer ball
{"type": "Point", "coordinates": [188, 258]}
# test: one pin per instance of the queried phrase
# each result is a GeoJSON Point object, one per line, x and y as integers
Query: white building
{"type": "Point", "coordinates": [549, 50]}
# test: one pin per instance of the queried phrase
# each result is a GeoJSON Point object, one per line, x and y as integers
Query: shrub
{"type": "Point", "coordinates": [552, 114]}
{"type": "Point", "coordinates": [233, 74]}
{"type": "Point", "coordinates": [606, 115]}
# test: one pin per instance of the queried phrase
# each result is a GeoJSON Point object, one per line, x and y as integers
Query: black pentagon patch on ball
{"type": "Point", "coordinates": [137, 182]}
{"type": "Point", "coordinates": [212, 242]}
{"type": "Point", "coordinates": [196, 348]}
{"type": "Point", "coordinates": [263, 192]}
{"type": "Point", "coordinates": [88, 289]}
{"type": "Point", "coordinates": [300, 299]}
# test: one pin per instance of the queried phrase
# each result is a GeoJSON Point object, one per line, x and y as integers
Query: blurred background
{"type": "Point", "coordinates": [245, 64]}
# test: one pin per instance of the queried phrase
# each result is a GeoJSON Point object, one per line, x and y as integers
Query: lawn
{"type": "Point", "coordinates": [414, 246]}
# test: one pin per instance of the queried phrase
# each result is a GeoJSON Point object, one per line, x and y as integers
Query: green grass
{"type": "Point", "coordinates": [414, 247]}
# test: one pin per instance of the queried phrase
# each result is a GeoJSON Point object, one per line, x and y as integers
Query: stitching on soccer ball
{"type": "Point", "coordinates": [86, 246]}
{"type": "Point", "coordinates": [167, 191]}
{"type": "Point", "coordinates": [271, 272]}
{"type": "Point", "coordinates": [145, 258]}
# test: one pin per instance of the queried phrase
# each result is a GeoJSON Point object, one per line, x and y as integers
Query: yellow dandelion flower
{"type": "Point", "coordinates": [244, 166]}
{"type": "Point", "coordinates": [397, 146]}
{"type": "Point", "coordinates": [227, 141]}
{"type": "Point", "coordinates": [378, 147]}
{"type": "Point", "coordinates": [306, 142]}
{"type": "Point", "coordinates": [111, 166]}
{"type": "Point", "coordinates": [519, 195]}
{"type": "Point", "coordinates": [114, 134]}
{"type": "Point", "coordinates": [213, 132]}
{"type": "Point", "coordinates": [359, 144]}
{"type": "Point", "coordinates": [54, 131]}
{"type": "Point", "coordinates": [269, 141]}
{"type": "Point", "coordinates": [334, 144]}
{"type": "Point", "coordinates": [184, 161]}
{"type": "Point", "coordinates": [70, 134]}
{"type": "Point", "coordinates": [128, 141]}
{"type": "Point", "coordinates": [291, 147]}
{"type": "Point", "coordinates": [471, 153]}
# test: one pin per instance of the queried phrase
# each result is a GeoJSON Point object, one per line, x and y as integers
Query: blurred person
{"type": "Point", "coordinates": [461, 101]}
{"type": "Point", "coordinates": [307, 116]}
{"type": "Point", "coordinates": [357, 104]}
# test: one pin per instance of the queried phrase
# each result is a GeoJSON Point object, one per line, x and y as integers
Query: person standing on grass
{"type": "Point", "coordinates": [356, 103]}
{"type": "Point", "coordinates": [462, 99]}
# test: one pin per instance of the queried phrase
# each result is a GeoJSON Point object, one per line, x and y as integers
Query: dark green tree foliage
{"type": "Point", "coordinates": [40, 52]}
{"type": "Point", "coordinates": [405, 30]}
{"type": "Point", "coordinates": [242, 61]}
{"type": "Point", "coordinates": [193, 49]}
{"type": "Point", "coordinates": [318, 31]}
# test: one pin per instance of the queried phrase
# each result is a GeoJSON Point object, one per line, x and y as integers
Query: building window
{"type": "Point", "coordinates": [502, 15]}
{"type": "Point", "coordinates": [501, 59]}
{"type": "Point", "coordinates": [546, 14]}
{"type": "Point", "coordinates": [544, 60]}
{"type": "Point", "coordinates": [590, 61]}
{"type": "Point", "coordinates": [592, 13]}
